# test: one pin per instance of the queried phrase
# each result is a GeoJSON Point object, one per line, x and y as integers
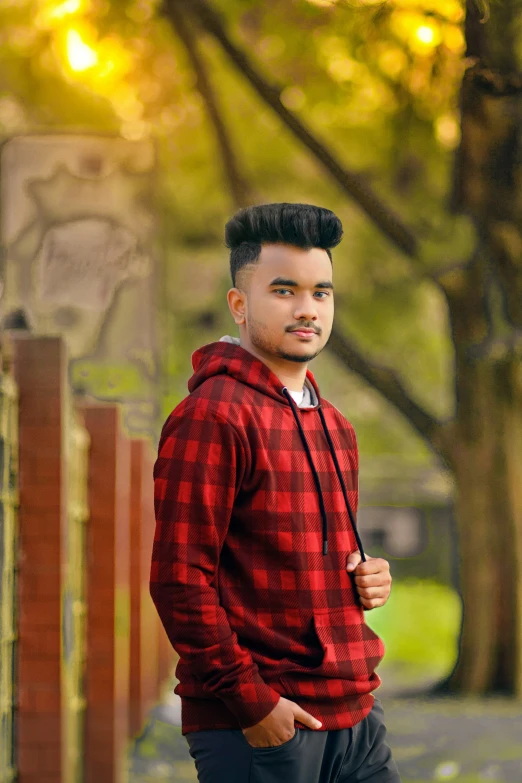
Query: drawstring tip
{"type": "Point", "coordinates": [325, 547]}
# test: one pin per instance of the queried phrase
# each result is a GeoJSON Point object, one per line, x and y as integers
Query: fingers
{"type": "Point", "coordinates": [373, 596]}
{"type": "Point", "coordinates": [372, 603]}
{"type": "Point", "coordinates": [353, 561]}
{"type": "Point", "coordinates": [306, 718]}
{"type": "Point", "coordinates": [373, 592]}
{"type": "Point", "coordinates": [374, 565]}
{"type": "Point", "coordinates": [373, 580]}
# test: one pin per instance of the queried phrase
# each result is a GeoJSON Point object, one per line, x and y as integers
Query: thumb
{"type": "Point", "coordinates": [306, 718]}
{"type": "Point", "coordinates": [353, 561]}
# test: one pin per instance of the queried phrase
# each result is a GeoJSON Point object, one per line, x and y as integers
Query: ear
{"type": "Point", "coordinates": [237, 304]}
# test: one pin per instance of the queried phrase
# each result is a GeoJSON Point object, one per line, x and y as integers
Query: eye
{"type": "Point", "coordinates": [322, 294]}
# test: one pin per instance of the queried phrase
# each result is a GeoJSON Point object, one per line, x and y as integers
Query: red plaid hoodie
{"type": "Point", "coordinates": [255, 501]}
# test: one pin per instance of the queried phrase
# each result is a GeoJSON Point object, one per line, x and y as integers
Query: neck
{"type": "Point", "coordinates": [291, 374]}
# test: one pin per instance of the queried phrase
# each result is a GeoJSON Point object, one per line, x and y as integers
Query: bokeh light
{"type": "Point", "coordinates": [81, 56]}
{"type": "Point", "coordinates": [425, 34]}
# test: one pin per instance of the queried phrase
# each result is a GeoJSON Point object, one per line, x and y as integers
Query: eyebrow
{"type": "Point", "coordinates": [294, 284]}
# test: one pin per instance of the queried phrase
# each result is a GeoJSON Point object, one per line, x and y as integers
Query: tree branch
{"type": "Point", "coordinates": [240, 190]}
{"type": "Point", "coordinates": [386, 220]}
{"type": "Point", "coordinates": [382, 379]}
{"type": "Point", "coordinates": [385, 381]}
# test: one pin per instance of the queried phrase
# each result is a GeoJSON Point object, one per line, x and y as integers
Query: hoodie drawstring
{"type": "Point", "coordinates": [316, 475]}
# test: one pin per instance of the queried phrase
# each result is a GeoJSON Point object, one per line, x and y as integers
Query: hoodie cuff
{"type": "Point", "coordinates": [254, 701]}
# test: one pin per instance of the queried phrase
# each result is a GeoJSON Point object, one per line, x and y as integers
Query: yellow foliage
{"type": "Point", "coordinates": [342, 68]}
{"type": "Point", "coordinates": [452, 10]}
{"type": "Point", "coordinates": [447, 131]}
{"type": "Point", "coordinates": [405, 41]}
{"type": "Point", "coordinates": [454, 39]}
{"type": "Point", "coordinates": [53, 12]}
{"type": "Point", "coordinates": [323, 3]}
{"type": "Point", "coordinates": [293, 98]}
{"type": "Point", "coordinates": [392, 61]}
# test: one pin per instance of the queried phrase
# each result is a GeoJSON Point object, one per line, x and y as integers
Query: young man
{"type": "Point", "coordinates": [258, 572]}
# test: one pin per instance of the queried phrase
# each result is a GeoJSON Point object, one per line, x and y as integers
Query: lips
{"type": "Point", "coordinates": [303, 331]}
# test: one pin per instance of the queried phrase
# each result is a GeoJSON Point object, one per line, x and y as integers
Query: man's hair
{"type": "Point", "coordinates": [301, 225]}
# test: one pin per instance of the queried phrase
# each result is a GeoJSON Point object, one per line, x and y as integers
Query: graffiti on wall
{"type": "Point", "coordinates": [79, 259]}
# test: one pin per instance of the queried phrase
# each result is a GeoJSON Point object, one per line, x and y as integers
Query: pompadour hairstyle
{"type": "Point", "coordinates": [301, 225]}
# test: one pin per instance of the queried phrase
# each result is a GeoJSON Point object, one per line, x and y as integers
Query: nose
{"type": "Point", "coordinates": [306, 309]}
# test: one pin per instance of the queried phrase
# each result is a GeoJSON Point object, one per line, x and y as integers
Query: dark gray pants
{"type": "Point", "coordinates": [342, 756]}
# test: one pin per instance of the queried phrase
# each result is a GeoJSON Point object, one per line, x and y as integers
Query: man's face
{"type": "Point", "coordinates": [288, 288]}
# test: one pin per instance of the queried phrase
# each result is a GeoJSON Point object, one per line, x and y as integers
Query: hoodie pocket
{"type": "Point", "coordinates": [352, 651]}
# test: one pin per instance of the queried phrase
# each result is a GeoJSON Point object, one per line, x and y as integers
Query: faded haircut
{"type": "Point", "coordinates": [301, 225]}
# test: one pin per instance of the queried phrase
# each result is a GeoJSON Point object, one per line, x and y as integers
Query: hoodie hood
{"type": "Point", "coordinates": [228, 357]}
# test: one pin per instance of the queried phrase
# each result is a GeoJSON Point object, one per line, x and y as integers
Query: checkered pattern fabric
{"type": "Point", "coordinates": [248, 600]}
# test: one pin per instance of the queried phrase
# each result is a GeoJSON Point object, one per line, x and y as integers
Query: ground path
{"type": "Point", "coordinates": [468, 741]}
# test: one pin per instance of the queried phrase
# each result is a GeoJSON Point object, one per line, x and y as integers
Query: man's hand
{"type": "Point", "coordinates": [278, 726]}
{"type": "Point", "coordinates": [372, 578]}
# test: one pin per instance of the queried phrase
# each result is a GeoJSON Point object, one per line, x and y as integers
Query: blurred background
{"type": "Point", "coordinates": [130, 132]}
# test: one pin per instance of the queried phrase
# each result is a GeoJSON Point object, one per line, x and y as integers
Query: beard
{"type": "Point", "coordinates": [258, 337]}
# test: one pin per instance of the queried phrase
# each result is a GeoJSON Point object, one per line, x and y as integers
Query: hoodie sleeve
{"type": "Point", "coordinates": [196, 478]}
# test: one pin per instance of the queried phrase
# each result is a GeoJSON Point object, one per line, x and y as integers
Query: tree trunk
{"type": "Point", "coordinates": [485, 308]}
{"type": "Point", "coordinates": [488, 468]}
{"type": "Point", "coordinates": [486, 455]}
